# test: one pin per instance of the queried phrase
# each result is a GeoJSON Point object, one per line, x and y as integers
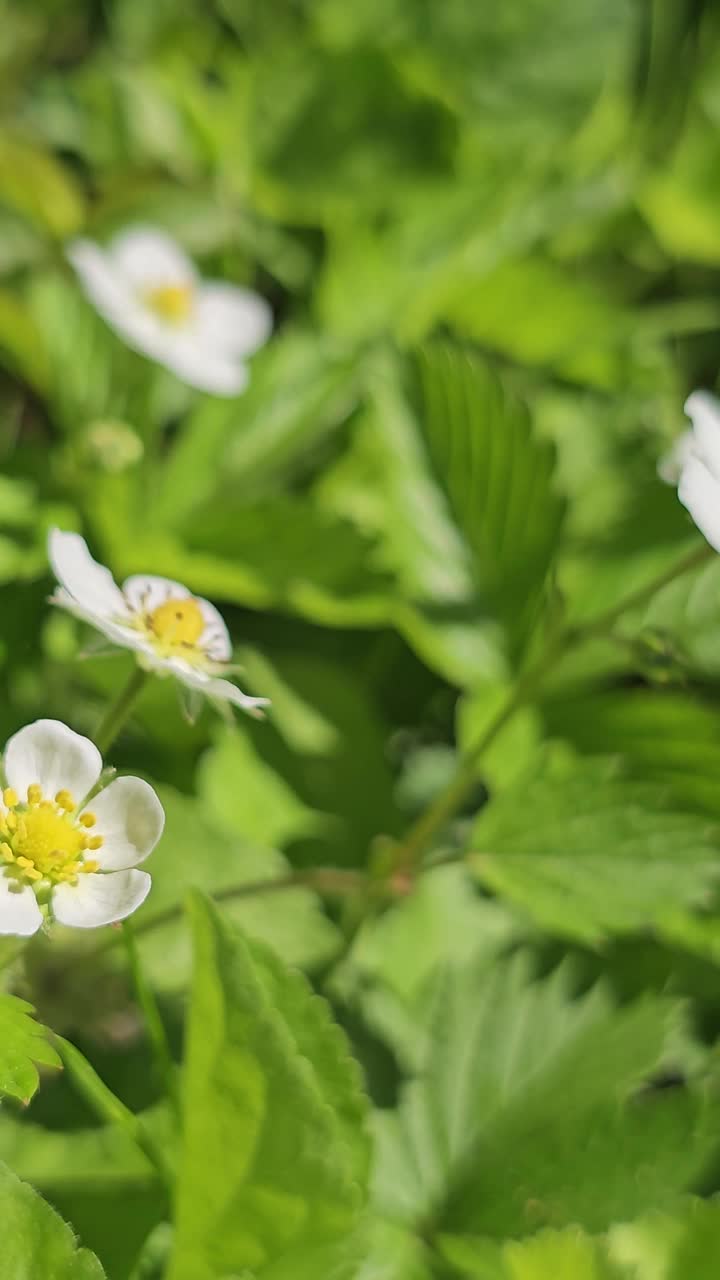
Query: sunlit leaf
{"type": "Point", "coordinates": [591, 853]}
{"type": "Point", "coordinates": [528, 1112]}
{"type": "Point", "coordinates": [36, 1241]}
{"type": "Point", "coordinates": [23, 1046]}
{"type": "Point", "coordinates": [497, 477]}
{"type": "Point", "coordinates": [265, 1170]}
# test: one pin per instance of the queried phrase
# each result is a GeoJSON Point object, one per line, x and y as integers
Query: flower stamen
{"type": "Point", "coordinates": [177, 622]}
{"type": "Point", "coordinates": [44, 840]}
{"type": "Point", "coordinates": [173, 303]}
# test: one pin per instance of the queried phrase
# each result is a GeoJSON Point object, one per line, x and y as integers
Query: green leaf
{"type": "Point", "coordinates": [319, 160]}
{"type": "Point", "coordinates": [96, 1178]}
{"type": "Point", "coordinates": [20, 341]}
{"type": "Point", "coordinates": [269, 812]}
{"type": "Point", "coordinates": [299, 392]}
{"type": "Point", "coordinates": [319, 1039]}
{"type": "Point", "coordinates": [23, 1043]}
{"type": "Point", "coordinates": [265, 1170]}
{"type": "Point", "coordinates": [562, 1255]}
{"type": "Point", "coordinates": [281, 553]}
{"type": "Point", "coordinates": [684, 619]}
{"type": "Point", "coordinates": [680, 198]}
{"type": "Point", "coordinates": [593, 852]}
{"type": "Point", "coordinates": [670, 1247]}
{"type": "Point", "coordinates": [90, 374]}
{"type": "Point", "coordinates": [512, 751]}
{"type": "Point", "coordinates": [537, 312]}
{"type": "Point", "coordinates": [527, 1111]}
{"type": "Point", "coordinates": [34, 183]}
{"type": "Point", "coordinates": [497, 477]}
{"type": "Point", "coordinates": [527, 75]}
{"type": "Point", "coordinates": [398, 956]}
{"type": "Point", "coordinates": [384, 484]}
{"type": "Point", "coordinates": [322, 734]}
{"type": "Point", "coordinates": [199, 851]}
{"type": "Point", "coordinates": [682, 1246]}
{"type": "Point", "coordinates": [36, 1241]}
{"type": "Point", "coordinates": [667, 736]}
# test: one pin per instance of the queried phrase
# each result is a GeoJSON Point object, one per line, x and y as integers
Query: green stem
{"type": "Point", "coordinates": [164, 1065]}
{"type": "Point", "coordinates": [410, 852]}
{"type": "Point", "coordinates": [108, 1108]}
{"type": "Point", "coordinates": [634, 599]}
{"type": "Point", "coordinates": [116, 715]}
{"type": "Point", "coordinates": [331, 882]}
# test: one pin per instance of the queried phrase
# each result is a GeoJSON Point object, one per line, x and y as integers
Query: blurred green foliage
{"type": "Point", "coordinates": [490, 236]}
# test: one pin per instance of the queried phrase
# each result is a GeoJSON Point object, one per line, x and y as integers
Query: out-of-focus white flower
{"type": "Point", "coordinates": [149, 292]}
{"type": "Point", "coordinates": [76, 860]}
{"type": "Point", "coordinates": [671, 464]}
{"type": "Point", "coordinates": [694, 465]}
{"type": "Point", "coordinates": [172, 632]}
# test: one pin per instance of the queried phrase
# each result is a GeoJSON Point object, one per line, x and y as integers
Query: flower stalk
{"type": "Point", "coordinates": [117, 713]}
{"type": "Point", "coordinates": [164, 1065]}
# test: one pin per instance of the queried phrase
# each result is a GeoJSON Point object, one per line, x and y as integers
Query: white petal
{"type": "Point", "coordinates": [130, 818]}
{"type": "Point", "coordinates": [19, 911]}
{"type": "Point", "coordinates": [704, 412]}
{"type": "Point", "coordinates": [125, 637]}
{"type": "Point", "coordinates": [671, 464]}
{"type": "Point", "coordinates": [119, 302]}
{"type": "Point", "coordinates": [699, 491]}
{"type": "Point", "coordinates": [212, 687]}
{"type": "Point", "coordinates": [90, 584]}
{"type": "Point", "coordinates": [144, 591]}
{"type": "Point", "coordinates": [53, 755]}
{"type": "Point", "coordinates": [204, 367]}
{"type": "Point", "coordinates": [236, 320]}
{"type": "Point", "coordinates": [100, 899]}
{"type": "Point", "coordinates": [148, 258]}
{"type": "Point", "coordinates": [100, 280]}
{"type": "Point", "coordinates": [215, 639]}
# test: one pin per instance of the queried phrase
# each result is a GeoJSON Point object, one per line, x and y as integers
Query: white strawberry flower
{"type": "Point", "coordinates": [62, 856]}
{"type": "Point", "coordinates": [694, 465]}
{"type": "Point", "coordinates": [147, 289]}
{"type": "Point", "coordinates": [171, 631]}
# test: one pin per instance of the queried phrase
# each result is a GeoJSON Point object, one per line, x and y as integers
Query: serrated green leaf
{"type": "Point", "coordinates": [527, 1111]}
{"type": "Point", "coordinates": [96, 1178]}
{"type": "Point", "coordinates": [23, 1043]}
{"type": "Point", "coordinates": [36, 1241]}
{"type": "Point", "coordinates": [399, 955]}
{"type": "Point", "coordinates": [662, 1246]}
{"type": "Point", "coordinates": [666, 736]}
{"type": "Point", "coordinates": [265, 1170]}
{"type": "Point", "coordinates": [384, 484]}
{"type": "Point", "coordinates": [562, 1255]}
{"type": "Point", "coordinates": [497, 477]}
{"type": "Point", "coordinates": [593, 853]}
{"type": "Point", "coordinates": [319, 1039]}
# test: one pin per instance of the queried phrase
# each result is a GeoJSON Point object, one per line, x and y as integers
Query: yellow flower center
{"type": "Point", "coordinates": [177, 623]}
{"type": "Point", "coordinates": [173, 303]}
{"type": "Point", "coordinates": [44, 840]}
